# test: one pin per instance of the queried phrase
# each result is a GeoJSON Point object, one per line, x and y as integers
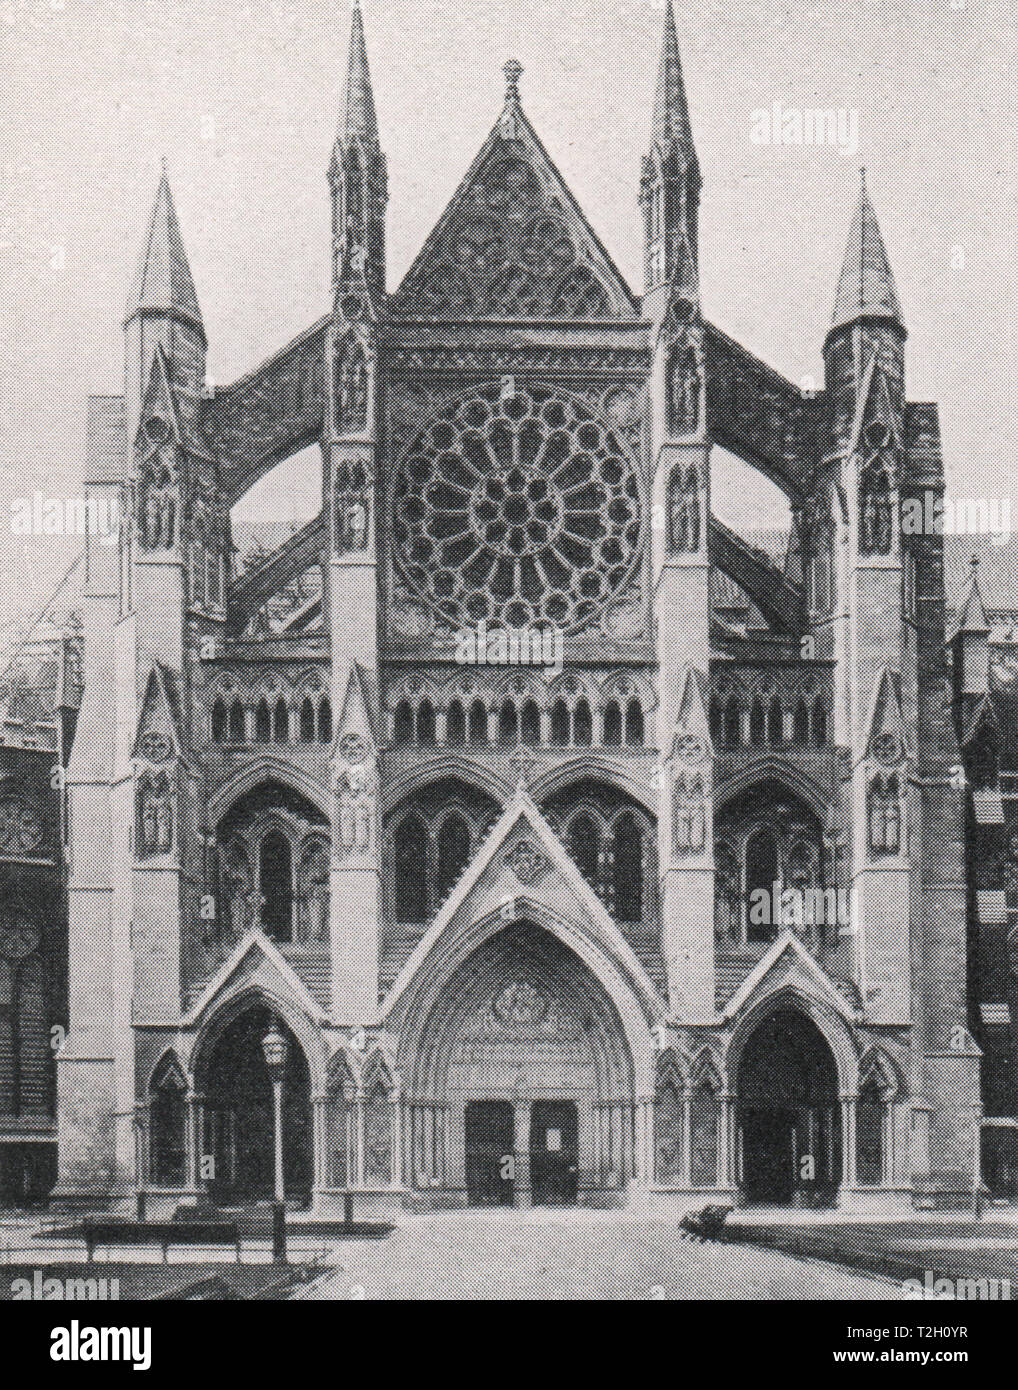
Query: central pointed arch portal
{"type": "Point", "coordinates": [521, 1081]}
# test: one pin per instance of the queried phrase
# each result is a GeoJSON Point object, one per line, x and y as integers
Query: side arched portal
{"type": "Point", "coordinates": [788, 1114]}
{"type": "Point", "coordinates": [238, 1112]}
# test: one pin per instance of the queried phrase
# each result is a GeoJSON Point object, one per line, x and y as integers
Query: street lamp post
{"type": "Point", "coordinates": [274, 1047]}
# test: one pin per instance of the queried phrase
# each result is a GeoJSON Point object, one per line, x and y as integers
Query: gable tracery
{"type": "Point", "coordinates": [509, 251]}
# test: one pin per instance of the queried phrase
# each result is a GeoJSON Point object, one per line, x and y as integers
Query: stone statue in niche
{"type": "Point", "coordinates": [875, 521]}
{"type": "Point", "coordinates": [685, 391]}
{"type": "Point", "coordinates": [690, 830]}
{"type": "Point", "coordinates": [155, 818]}
{"type": "Point", "coordinates": [355, 810]}
{"type": "Point", "coordinates": [237, 884]}
{"type": "Point", "coordinates": [157, 517]}
{"type": "Point", "coordinates": [684, 511]}
{"type": "Point", "coordinates": [884, 816]}
{"type": "Point", "coordinates": [352, 388]}
{"type": "Point", "coordinates": [314, 896]}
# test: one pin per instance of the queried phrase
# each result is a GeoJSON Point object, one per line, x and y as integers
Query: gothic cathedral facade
{"type": "Point", "coordinates": [564, 882]}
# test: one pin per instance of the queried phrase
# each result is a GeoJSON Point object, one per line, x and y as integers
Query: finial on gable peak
{"type": "Point", "coordinates": [513, 70]}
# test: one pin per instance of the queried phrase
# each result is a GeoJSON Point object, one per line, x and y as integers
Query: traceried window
{"type": "Point", "coordinates": [769, 861]}
{"type": "Point", "coordinates": [455, 725]}
{"type": "Point", "coordinates": [762, 872]}
{"type": "Point", "coordinates": [413, 865]}
{"type": "Point", "coordinates": [522, 509]}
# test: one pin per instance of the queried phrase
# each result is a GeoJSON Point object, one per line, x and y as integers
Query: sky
{"type": "Point", "coordinates": [242, 100]}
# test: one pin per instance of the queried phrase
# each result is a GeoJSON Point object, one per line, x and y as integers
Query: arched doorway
{"type": "Point", "coordinates": [521, 1084]}
{"type": "Point", "coordinates": [238, 1114]}
{"type": "Point", "coordinates": [788, 1114]}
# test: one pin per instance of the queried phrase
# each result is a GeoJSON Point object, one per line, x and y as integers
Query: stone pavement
{"type": "Point", "coordinates": [575, 1255]}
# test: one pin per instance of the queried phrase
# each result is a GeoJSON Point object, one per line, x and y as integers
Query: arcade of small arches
{"type": "Point", "coordinates": [271, 721]}
{"type": "Point", "coordinates": [562, 723]}
{"type": "Point", "coordinates": [777, 722]}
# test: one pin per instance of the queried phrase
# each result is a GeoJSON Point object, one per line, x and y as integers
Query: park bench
{"type": "Point", "coordinates": [179, 1231]}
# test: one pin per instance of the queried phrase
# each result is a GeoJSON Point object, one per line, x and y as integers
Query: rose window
{"type": "Point", "coordinates": [519, 510]}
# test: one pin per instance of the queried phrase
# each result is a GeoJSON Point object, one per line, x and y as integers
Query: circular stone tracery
{"type": "Point", "coordinates": [520, 510]}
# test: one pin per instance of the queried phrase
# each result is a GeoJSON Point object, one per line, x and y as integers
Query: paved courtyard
{"type": "Point", "coordinates": [512, 1255]}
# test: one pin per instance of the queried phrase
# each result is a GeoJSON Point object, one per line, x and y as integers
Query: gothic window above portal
{"type": "Point", "coordinates": [517, 508]}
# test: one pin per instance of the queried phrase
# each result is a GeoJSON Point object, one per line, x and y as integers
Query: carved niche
{"type": "Point", "coordinates": [155, 814]}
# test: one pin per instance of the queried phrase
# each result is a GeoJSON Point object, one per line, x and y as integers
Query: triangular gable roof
{"type": "Point", "coordinates": [160, 707]}
{"type": "Point", "coordinates": [885, 715]}
{"type": "Point", "coordinates": [693, 717]}
{"type": "Point", "coordinates": [972, 617]}
{"type": "Point", "coordinates": [512, 136]}
{"type": "Point", "coordinates": [874, 402]}
{"type": "Point", "coordinates": [160, 398]}
{"type": "Point", "coordinates": [358, 715]}
{"type": "Point", "coordinates": [523, 808]}
{"type": "Point", "coordinates": [788, 943]}
{"type": "Point", "coordinates": [254, 941]}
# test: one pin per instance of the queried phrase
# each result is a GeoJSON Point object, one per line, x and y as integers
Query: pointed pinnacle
{"type": "Point", "coordinates": [357, 111]}
{"type": "Point", "coordinates": [671, 111]}
{"type": "Point", "coordinates": [163, 282]}
{"type": "Point", "coordinates": [866, 287]}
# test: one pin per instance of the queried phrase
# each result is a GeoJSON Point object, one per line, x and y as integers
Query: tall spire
{"type": "Point", "coordinates": [357, 113]}
{"type": "Point", "coordinates": [866, 288]}
{"type": "Point", "coordinates": [163, 282]}
{"type": "Point", "coordinates": [671, 110]}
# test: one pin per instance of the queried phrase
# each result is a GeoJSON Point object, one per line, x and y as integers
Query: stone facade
{"type": "Point", "coordinates": [40, 691]}
{"type": "Point", "coordinates": [500, 900]}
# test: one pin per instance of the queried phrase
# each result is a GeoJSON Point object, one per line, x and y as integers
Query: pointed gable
{"type": "Point", "coordinates": [523, 863]}
{"type": "Point", "coordinates": [787, 965]}
{"type": "Point", "coordinates": [255, 965]}
{"type": "Point", "coordinates": [874, 406]}
{"type": "Point", "coordinates": [692, 729]}
{"type": "Point", "coordinates": [359, 716]}
{"type": "Point", "coordinates": [886, 727]}
{"type": "Point", "coordinates": [160, 404]}
{"type": "Point", "coordinates": [513, 243]}
{"type": "Point", "coordinates": [159, 736]}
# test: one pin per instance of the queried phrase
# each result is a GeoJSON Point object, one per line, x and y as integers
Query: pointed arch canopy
{"type": "Point", "coordinates": [434, 1024]}
{"type": "Point", "coordinates": [636, 1010]}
